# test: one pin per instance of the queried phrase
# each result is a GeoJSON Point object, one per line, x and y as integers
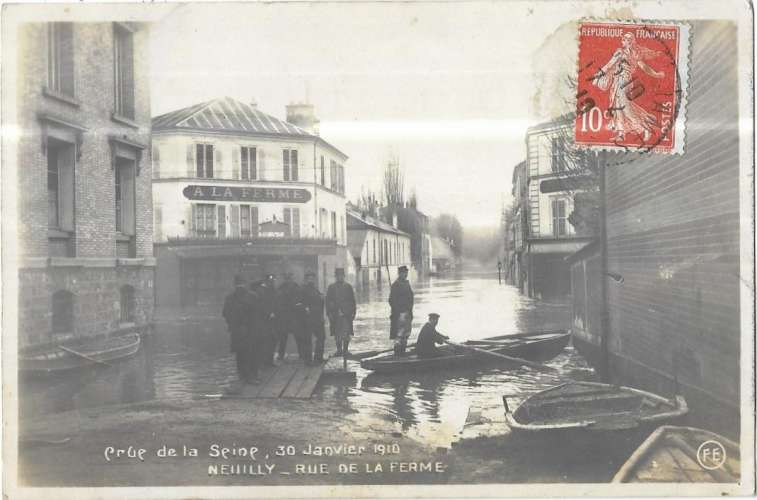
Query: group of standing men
{"type": "Point", "coordinates": [261, 317]}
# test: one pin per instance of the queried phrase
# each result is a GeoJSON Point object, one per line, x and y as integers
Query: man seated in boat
{"type": "Point", "coordinates": [425, 346]}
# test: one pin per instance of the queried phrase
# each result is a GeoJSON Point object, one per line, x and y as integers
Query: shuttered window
{"type": "Point", "coordinates": [244, 217]}
{"type": "Point", "coordinates": [292, 218]}
{"type": "Point", "coordinates": [557, 154]}
{"type": "Point", "coordinates": [235, 221]}
{"type": "Point", "coordinates": [323, 171]}
{"type": "Point", "coordinates": [290, 161]}
{"type": "Point", "coordinates": [204, 160]}
{"type": "Point", "coordinates": [249, 163]}
{"type": "Point", "coordinates": [221, 221]}
{"type": "Point", "coordinates": [559, 218]}
{"type": "Point", "coordinates": [123, 57]}
{"type": "Point", "coordinates": [332, 174]}
{"type": "Point", "coordinates": [60, 58]}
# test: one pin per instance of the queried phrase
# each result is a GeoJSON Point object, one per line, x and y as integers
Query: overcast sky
{"type": "Point", "coordinates": [444, 86]}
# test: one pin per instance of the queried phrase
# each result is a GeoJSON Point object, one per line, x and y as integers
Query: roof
{"type": "Point", "coordinates": [355, 220]}
{"type": "Point", "coordinates": [228, 115]}
{"type": "Point", "coordinates": [559, 122]}
{"type": "Point", "coordinates": [585, 252]}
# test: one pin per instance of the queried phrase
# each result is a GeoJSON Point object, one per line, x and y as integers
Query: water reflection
{"type": "Point", "coordinates": [188, 356]}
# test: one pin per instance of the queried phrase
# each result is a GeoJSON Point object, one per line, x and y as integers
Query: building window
{"type": "Point", "coordinates": [559, 218]}
{"type": "Point", "coordinates": [249, 163]}
{"type": "Point", "coordinates": [204, 160]}
{"type": "Point", "coordinates": [60, 185]}
{"type": "Point", "coordinates": [62, 312]}
{"type": "Point", "coordinates": [128, 305]}
{"type": "Point", "coordinates": [558, 154]}
{"type": "Point", "coordinates": [332, 175]}
{"type": "Point", "coordinates": [323, 171]}
{"type": "Point", "coordinates": [291, 165]}
{"type": "Point", "coordinates": [60, 58]}
{"type": "Point", "coordinates": [292, 218]}
{"type": "Point", "coordinates": [204, 220]}
{"type": "Point", "coordinates": [124, 195]}
{"type": "Point", "coordinates": [333, 225]}
{"type": "Point", "coordinates": [244, 218]}
{"type": "Point", "coordinates": [221, 221]}
{"type": "Point", "coordinates": [123, 57]}
{"type": "Point", "coordinates": [374, 250]}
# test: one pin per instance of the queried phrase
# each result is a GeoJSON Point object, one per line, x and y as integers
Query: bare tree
{"type": "Point", "coordinates": [394, 183]}
{"type": "Point", "coordinates": [368, 203]}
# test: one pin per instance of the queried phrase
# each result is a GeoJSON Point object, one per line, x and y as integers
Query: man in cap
{"type": "Point", "coordinates": [428, 337]}
{"type": "Point", "coordinates": [401, 318]}
{"type": "Point", "coordinates": [289, 312]}
{"type": "Point", "coordinates": [312, 298]}
{"type": "Point", "coordinates": [237, 313]}
{"type": "Point", "coordinates": [266, 319]}
{"type": "Point", "coordinates": [341, 309]}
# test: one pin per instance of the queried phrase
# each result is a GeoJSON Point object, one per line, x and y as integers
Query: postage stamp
{"type": "Point", "coordinates": [631, 86]}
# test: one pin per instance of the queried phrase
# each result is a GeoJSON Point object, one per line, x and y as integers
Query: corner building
{"type": "Point", "coordinates": [238, 191]}
{"type": "Point", "coordinates": [86, 265]}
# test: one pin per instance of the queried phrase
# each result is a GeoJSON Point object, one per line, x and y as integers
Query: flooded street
{"type": "Point", "coordinates": [188, 357]}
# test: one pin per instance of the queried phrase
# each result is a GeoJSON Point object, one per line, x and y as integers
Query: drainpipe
{"type": "Point", "coordinates": [604, 362]}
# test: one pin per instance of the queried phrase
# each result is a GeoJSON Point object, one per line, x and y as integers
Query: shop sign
{"type": "Point", "coordinates": [250, 194]}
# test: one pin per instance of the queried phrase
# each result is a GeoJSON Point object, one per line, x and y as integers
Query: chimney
{"type": "Point", "coordinates": [303, 116]}
{"type": "Point", "coordinates": [253, 104]}
{"type": "Point", "coordinates": [394, 219]}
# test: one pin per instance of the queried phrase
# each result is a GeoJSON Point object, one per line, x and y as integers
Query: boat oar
{"type": "Point", "coordinates": [520, 361]}
{"type": "Point", "coordinates": [82, 355]}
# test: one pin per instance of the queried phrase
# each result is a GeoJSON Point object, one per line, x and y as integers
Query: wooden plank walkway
{"type": "Point", "coordinates": [291, 379]}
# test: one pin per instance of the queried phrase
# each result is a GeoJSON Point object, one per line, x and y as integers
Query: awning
{"type": "Point", "coordinates": [566, 246]}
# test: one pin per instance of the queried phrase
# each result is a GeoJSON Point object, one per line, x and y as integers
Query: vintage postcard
{"type": "Point", "coordinates": [361, 249]}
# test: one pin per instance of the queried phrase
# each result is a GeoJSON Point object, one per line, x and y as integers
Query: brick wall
{"type": "Point", "coordinates": [673, 234]}
{"type": "Point", "coordinates": [92, 275]}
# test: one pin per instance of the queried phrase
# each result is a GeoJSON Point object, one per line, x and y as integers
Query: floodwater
{"type": "Point", "coordinates": [188, 357]}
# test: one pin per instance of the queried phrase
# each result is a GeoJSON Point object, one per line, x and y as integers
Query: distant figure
{"type": "Point", "coordinates": [499, 271]}
{"type": "Point", "coordinates": [289, 309]}
{"type": "Point", "coordinates": [313, 300]}
{"type": "Point", "coordinates": [428, 337]}
{"type": "Point", "coordinates": [266, 291]}
{"type": "Point", "coordinates": [401, 318]}
{"type": "Point", "coordinates": [237, 313]}
{"type": "Point", "coordinates": [341, 309]}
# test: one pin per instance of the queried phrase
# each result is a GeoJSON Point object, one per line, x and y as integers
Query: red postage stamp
{"type": "Point", "coordinates": [631, 86]}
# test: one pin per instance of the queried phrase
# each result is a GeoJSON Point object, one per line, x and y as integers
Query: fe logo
{"type": "Point", "coordinates": [711, 455]}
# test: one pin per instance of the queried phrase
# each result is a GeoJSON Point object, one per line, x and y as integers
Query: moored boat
{"type": "Point", "coordinates": [540, 346]}
{"type": "Point", "coordinates": [592, 406]}
{"type": "Point", "coordinates": [682, 455]}
{"type": "Point", "coordinates": [61, 358]}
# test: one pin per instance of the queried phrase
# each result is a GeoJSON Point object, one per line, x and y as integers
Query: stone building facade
{"type": "Point", "coordinates": [86, 264]}
{"type": "Point", "coordinates": [238, 191]}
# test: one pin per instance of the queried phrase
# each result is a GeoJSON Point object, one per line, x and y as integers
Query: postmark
{"type": "Point", "coordinates": [631, 86]}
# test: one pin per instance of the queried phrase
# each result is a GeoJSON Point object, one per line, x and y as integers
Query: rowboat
{"type": "Point", "coordinates": [682, 455]}
{"type": "Point", "coordinates": [530, 346]}
{"type": "Point", "coordinates": [592, 406]}
{"type": "Point", "coordinates": [62, 358]}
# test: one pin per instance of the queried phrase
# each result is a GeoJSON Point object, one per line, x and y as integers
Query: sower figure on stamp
{"type": "Point", "coordinates": [341, 309]}
{"type": "Point", "coordinates": [401, 318]}
{"type": "Point", "coordinates": [236, 309]}
{"type": "Point", "coordinates": [314, 327]}
{"type": "Point", "coordinates": [266, 292]}
{"type": "Point", "coordinates": [288, 313]}
{"type": "Point", "coordinates": [428, 337]}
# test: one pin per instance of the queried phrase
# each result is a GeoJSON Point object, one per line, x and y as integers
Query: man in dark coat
{"type": "Point", "coordinates": [428, 337]}
{"type": "Point", "coordinates": [313, 300]}
{"type": "Point", "coordinates": [341, 309]}
{"type": "Point", "coordinates": [401, 302]}
{"type": "Point", "coordinates": [237, 313]}
{"type": "Point", "coordinates": [289, 313]}
{"type": "Point", "coordinates": [266, 318]}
